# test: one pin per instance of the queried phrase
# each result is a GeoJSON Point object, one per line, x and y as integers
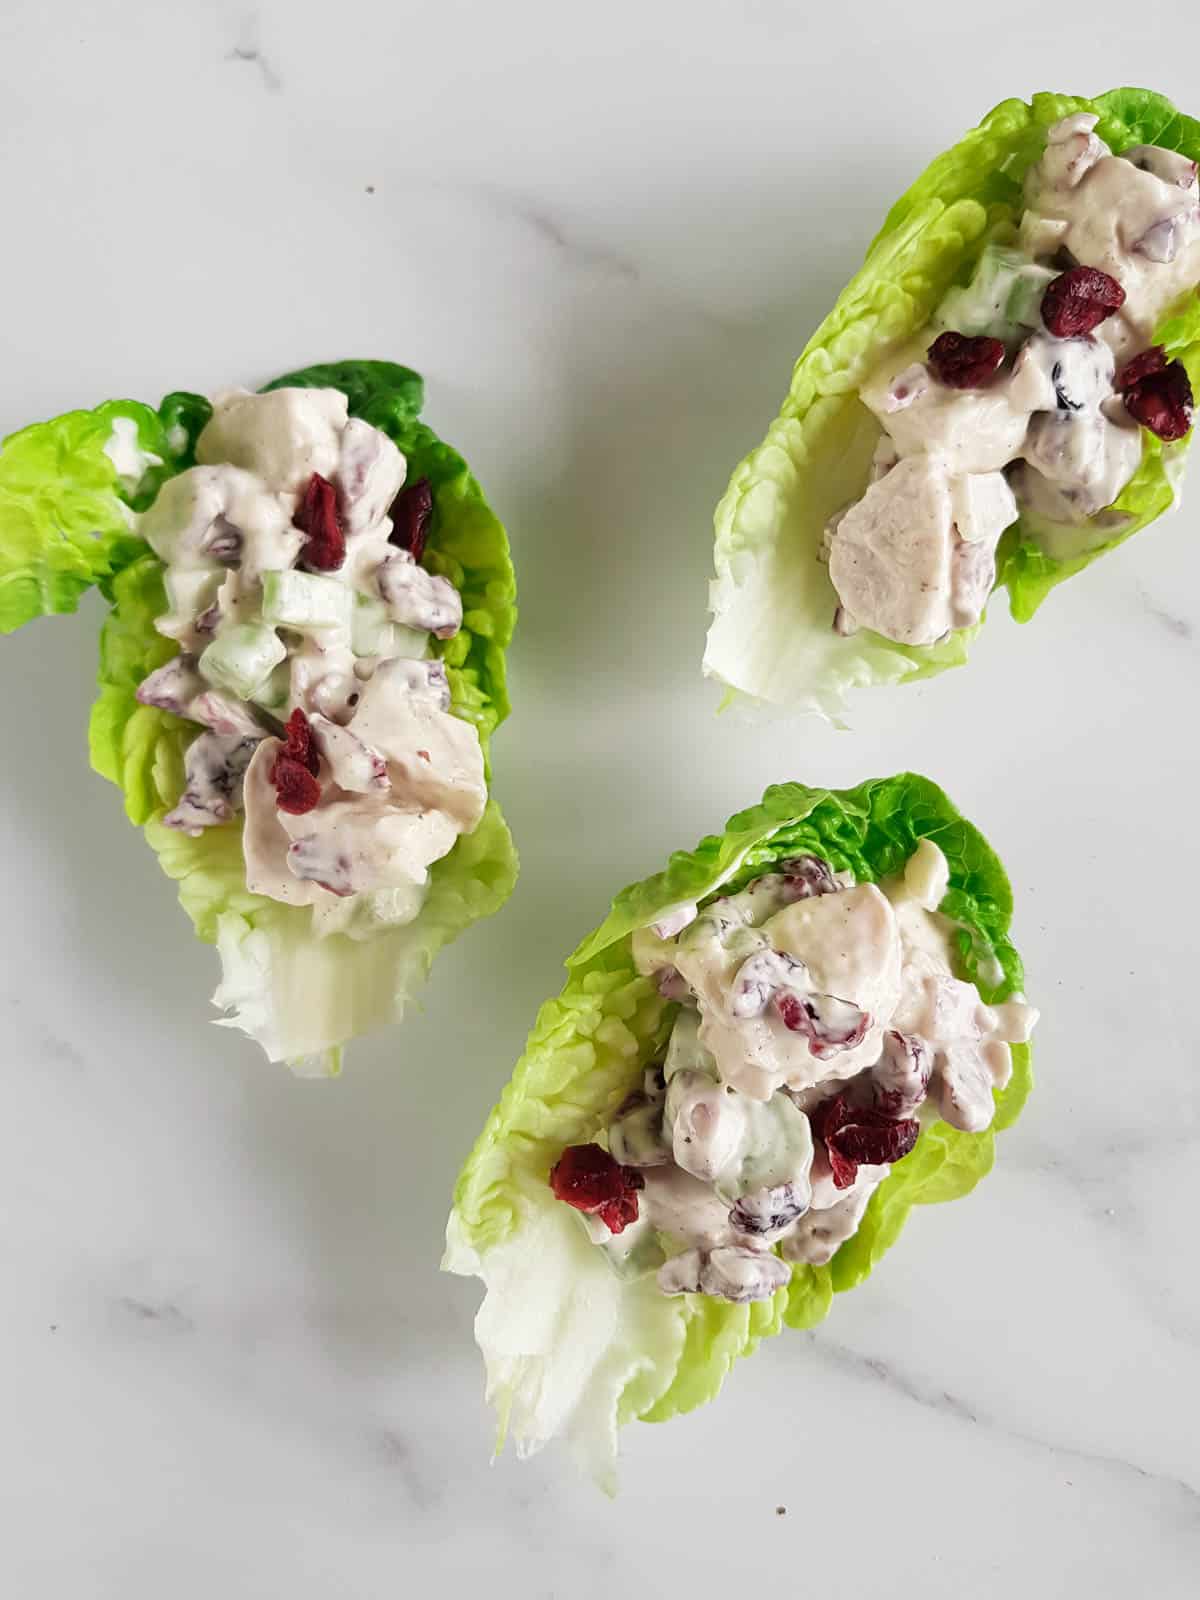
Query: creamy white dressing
{"type": "Point", "coordinates": [726, 1133]}
{"type": "Point", "coordinates": [901, 553]}
{"type": "Point", "coordinates": [124, 450]}
{"type": "Point", "coordinates": [262, 636]}
{"type": "Point", "coordinates": [1047, 436]}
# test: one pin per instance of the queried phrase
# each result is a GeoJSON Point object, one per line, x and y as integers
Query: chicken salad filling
{"type": "Point", "coordinates": [820, 1024]}
{"type": "Point", "coordinates": [1027, 393]}
{"type": "Point", "coordinates": [304, 613]}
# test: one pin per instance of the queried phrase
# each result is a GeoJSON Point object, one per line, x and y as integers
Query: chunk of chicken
{"type": "Point", "coordinates": [283, 437]}
{"type": "Point", "coordinates": [370, 475]}
{"type": "Point", "coordinates": [729, 1273]}
{"type": "Point", "coordinates": [264, 842]}
{"type": "Point", "coordinates": [417, 598]}
{"type": "Point", "coordinates": [818, 1233]}
{"type": "Point", "coordinates": [216, 517]}
{"type": "Point", "coordinates": [348, 846]}
{"type": "Point", "coordinates": [898, 560]}
{"type": "Point", "coordinates": [214, 768]}
{"type": "Point", "coordinates": [434, 759]}
{"type": "Point", "coordinates": [353, 765]}
{"type": "Point", "coordinates": [1076, 464]}
{"type": "Point", "coordinates": [972, 430]}
{"type": "Point", "coordinates": [970, 1044]}
{"type": "Point", "coordinates": [178, 687]}
{"type": "Point", "coordinates": [848, 945]}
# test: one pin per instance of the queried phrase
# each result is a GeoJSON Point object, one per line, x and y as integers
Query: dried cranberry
{"type": "Point", "coordinates": [830, 1025]}
{"type": "Point", "coordinates": [962, 362]}
{"type": "Point", "coordinates": [591, 1180]}
{"type": "Point", "coordinates": [1079, 300]}
{"type": "Point", "coordinates": [410, 514]}
{"type": "Point", "coordinates": [769, 1210]}
{"type": "Point", "coordinates": [857, 1136]}
{"type": "Point", "coordinates": [296, 790]}
{"type": "Point", "coordinates": [1132, 373]}
{"type": "Point", "coordinates": [1162, 401]}
{"type": "Point", "coordinates": [806, 876]}
{"type": "Point", "coordinates": [317, 516]}
{"type": "Point", "coordinates": [300, 745]}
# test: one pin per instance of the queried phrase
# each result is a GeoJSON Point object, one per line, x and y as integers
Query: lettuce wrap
{"type": "Point", "coordinates": [571, 1348]}
{"type": "Point", "coordinates": [770, 639]}
{"type": "Point", "coordinates": [70, 490]}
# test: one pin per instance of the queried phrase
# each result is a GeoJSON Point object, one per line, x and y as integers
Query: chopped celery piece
{"type": "Point", "coordinates": [1003, 297]}
{"type": "Point", "coordinates": [410, 642]}
{"type": "Point", "coordinates": [191, 590]}
{"type": "Point", "coordinates": [304, 601]}
{"type": "Point", "coordinates": [1025, 297]}
{"type": "Point", "coordinates": [241, 658]}
{"type": "Point", "coordinates": [272, 694]}
{"type": "Point", "coordinates": [370, 630]}
{"type": "Point", "coordinates": [685, 1053]}
{"type": "Point", "coordinates": [372, 633]}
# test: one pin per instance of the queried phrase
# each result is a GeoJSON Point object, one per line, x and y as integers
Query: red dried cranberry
{"type": "Point", "coordinates": [1079, 300]}
{"type": "Point", "coordinates": [618, 1214]}
{"type": "Point", "coordinates": [410, 514]}
{"type": "Point", "coordinates": [317, 517]}
{"type": "Point", "coordinates": [857, 1136]}
{"type": "Point", "coordinates": [806, 876]}
{"type": "Point", "coordinates": [296, 790]}
{"type": "Point", "coordinates": [873, 1143]}
{"type": "Point", "coordinates": [591, 1180]}
{"type": "Point", "coordinates": [1162, 401]}
{"type": "Point", "coordinates": [300, 745]}
{"type": "Point", "coordinates": [962, 362]}
{"type": "Point", "coordinates": [830, 1025]}
{"type": "Point", "coordinates": [1132, 373]}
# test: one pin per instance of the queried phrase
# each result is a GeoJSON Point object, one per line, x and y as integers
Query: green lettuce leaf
{"type": "Point", "coordinates": [66, 519]}
{"type": "Point", "coordinates": [772, 602]}
{"type": "Point", "coordinates": [571, 1349]}
{"type": "Point", "coordinates": [302, 998]}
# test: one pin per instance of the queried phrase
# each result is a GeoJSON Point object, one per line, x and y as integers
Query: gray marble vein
{"type": "Point", "coordinates": [563, 238]}
{"type": "Point", "coordinates": [932, 1397]}
{"type": "Point", "coordinates": [162, 1314]}
{"type": "Point", "coordinates": [1180, 627]}
{"type": "Point", "coordinates": [248, 49]}
{"type": "Point", "coordinates": [404, 1458]}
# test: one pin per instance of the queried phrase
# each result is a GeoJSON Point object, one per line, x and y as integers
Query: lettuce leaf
{"type": "Point", "coordinates": [66, 513]}
{"type": "Point", "coordinates": [772, 602]}
{"type": "Point", "coordinates": [302, 998]}
{"type": "Point", "coordinates": [572, 1350]}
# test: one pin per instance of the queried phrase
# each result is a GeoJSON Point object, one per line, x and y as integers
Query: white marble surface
{"type": "Point", "coordinates": [230, 1364]}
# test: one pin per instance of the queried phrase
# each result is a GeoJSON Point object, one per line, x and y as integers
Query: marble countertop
{"type": "Point", "coordinates": [231, 1365]}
